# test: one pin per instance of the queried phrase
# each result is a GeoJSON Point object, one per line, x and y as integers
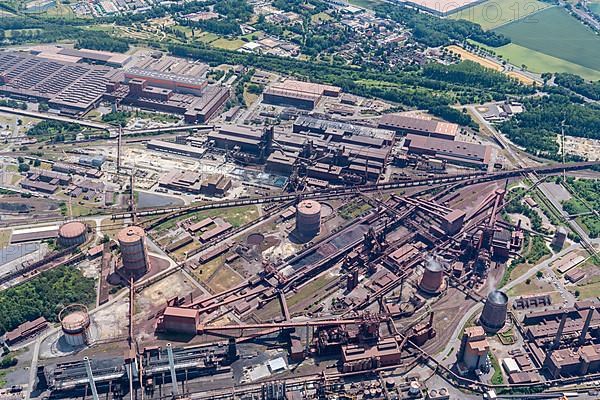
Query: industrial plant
{"type": "Point", "coordinates": [214, 231]}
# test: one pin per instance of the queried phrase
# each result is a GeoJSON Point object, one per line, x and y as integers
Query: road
{"type": "Point", "coordinates": [585, 16]}
{"type": "Point", "coordinates": [55, 117]}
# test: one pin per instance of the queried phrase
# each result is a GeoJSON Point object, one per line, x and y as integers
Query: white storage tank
{"type": "Point", "coordinates": [134, 254]}
{"type": "Point", "coordinates": [308, 217]}
{"type": "Point", "coordinates": [75, 322]}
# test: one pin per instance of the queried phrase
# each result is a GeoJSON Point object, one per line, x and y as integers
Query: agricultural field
{"type": "Point", "coordinates": [540, 62]}
{"type": "Point", "coordinates": [494, 13]}
{"type": "Point", "coordinates": [556, 34]}
{"type": "Point", "coordinates": [467, 55]}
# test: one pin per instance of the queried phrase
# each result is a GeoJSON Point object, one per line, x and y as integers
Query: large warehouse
{"type": "Point", "coordinates": [71, 88]}
{"type": "Point", "coordinates": [298, 94]}
{"type": "Point", "coordinates": [453, 152]}
{"type": "Point", "coordinates": [418, 126]}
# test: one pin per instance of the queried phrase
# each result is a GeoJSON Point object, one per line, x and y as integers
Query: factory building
{"type": "Point", "coordinates": [38, 186]}
{"type": "Point", "coordinates": [281, 162]}
{"type": "Point", "coordinates": [198, 107]}
{"type": "Point", "coordinates": [283, 97]}
{"type": "Point", "coordinates": [182, 181]}
{"type": "Point", "coordinates": [473, 352]}
{"type": "Point", "coordinates": [112, 374]}
{"type": "Point", "coordinates": [574, 361]}
{"type": "Point", "coordinates": [453, 152]}
{"type": "Point", "coordinates": [25, 330]}
{"type": "Point", "coordinates": [342, 132]}
{"type": "Point", "coordinates": [59, 77]}
{"type": "Point", "coordinates": [72, 234]}
{"type": "Point", "coordinates": [192, 182]}
{"type": "Point", "coordinates": [134, 254]}
{"type": "Point", "coordinates": [342, 150]}
{"type": "Point", "coordinates": [181, 320]}
{"type": "Point", "coordinates": [216, 185]}
{"type": "Point", "coordinates": [360, 357]}
{"type": "Point", "coordinates": [255, 142]}
{"type": "Point", "coordinates": [402, 124]}
{"type": "Point", "coordinates": [74, 169]}
{"type": "Point", "coordinates": [167, 80]}
{"type": "Point", "coordinates": [550, 328]}
{"type": "Point", "coordinates": [175, 148]}
{"type": "Point", "coordinates": [52, 177]}
{"type": "Point", "coordinates": [71, 88]}
{"type": "Point", "coordinates": [303, 95]}
{"type": "Point", "coordinates": [116, 60]}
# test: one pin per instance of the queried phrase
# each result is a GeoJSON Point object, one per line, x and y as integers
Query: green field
{"type": "Point", "coordinates": [557, 34]}
{"type": "Point", "coordinates": [540, 62]}
{"type": "Point", "coordinates": [494, 13]}
{"type": "Point", "coordinates": [228, 44]}
{"type": "Point", "coordinates": [366, 3]}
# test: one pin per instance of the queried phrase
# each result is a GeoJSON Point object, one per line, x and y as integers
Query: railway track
{"type": "Point", "coordinates": [473, 177]}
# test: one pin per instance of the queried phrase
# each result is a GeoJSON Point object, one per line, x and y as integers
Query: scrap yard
{"type": "Point", "coordinates": [274, 250]}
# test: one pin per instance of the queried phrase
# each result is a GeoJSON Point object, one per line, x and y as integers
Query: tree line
{"type": "Point", "coordinates": [433, 31]}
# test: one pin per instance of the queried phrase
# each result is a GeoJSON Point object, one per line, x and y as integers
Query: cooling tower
{"type": "Point", "coordinates": [494, 312]}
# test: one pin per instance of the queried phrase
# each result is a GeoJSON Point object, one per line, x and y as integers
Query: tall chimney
{"type": "Point", "coordinates": [559, 332]}
{"type": "Point", "coordinates": [586, 325]}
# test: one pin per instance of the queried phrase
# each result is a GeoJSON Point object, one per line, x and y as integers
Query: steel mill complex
{"type": "Point", "coordinates": [292, 200]}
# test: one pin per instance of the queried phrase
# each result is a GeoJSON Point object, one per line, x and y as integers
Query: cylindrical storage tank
{"type": "Point", "coordinates": [432, 280]}
{"type": "Point", "coordinates": [75, 322]}
{"type": "Point", "coordinates": [72, 234]}
{"type": "Point", "coordinates": [414, 389]}
{"type": "Point", "coordinates": [494, 312]}
{"type": "Point", "coordinates": [308, 217]}
{"type": "Point", "coordinates": [134, 255]}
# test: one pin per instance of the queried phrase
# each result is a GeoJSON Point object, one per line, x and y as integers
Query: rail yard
{"type": "Point", "coordinates": [279, 250]}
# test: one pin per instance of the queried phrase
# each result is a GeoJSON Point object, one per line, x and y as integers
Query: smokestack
{"type": "Point", "coordinates": [586, 325]}
{"type": "Point", "coordinates": [559, 332]}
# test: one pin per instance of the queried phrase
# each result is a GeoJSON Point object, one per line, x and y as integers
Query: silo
{"type": "Point", "coordinates": [308, 217]}
{"type": "Point", "coordinates": [494, 312]}
{"type": "Point", "coordinates": [72, 233]}
{"type": "Point", "coordinates": [432, 281]}
{"type": "Point", "coordinates": [134, 255]}
{"type": "Point", "coordinates": [75, 322]}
